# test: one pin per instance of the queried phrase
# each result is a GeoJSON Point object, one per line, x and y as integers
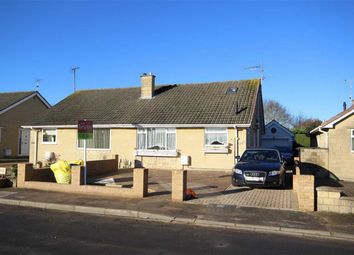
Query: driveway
{"type": "Point", "coordinates": [245, 197]}
{"type": "Point", "coordinates": [213, 188]}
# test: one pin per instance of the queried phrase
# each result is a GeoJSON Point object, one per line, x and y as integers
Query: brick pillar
{"type": "Point", "coordinates": [140, 181]}
{"type": "Point", "coordinates": [24, 172]}
{"type": "Point", "coordinates": [306, 192]}
{"type": "Point", "coordinates": [295, 178]}
{"type": "Point", "coordinates": [179, 185]}
{"type": "Point", "coordinates": [77, 175]}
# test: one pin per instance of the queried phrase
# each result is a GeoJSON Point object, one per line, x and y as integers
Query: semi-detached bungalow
{"type": "Point", "coordinates": [209, 123]}
{"type": "Point", "coordinates": [335, 140]}
{"type": "Point", "coordinates": [17, 108]}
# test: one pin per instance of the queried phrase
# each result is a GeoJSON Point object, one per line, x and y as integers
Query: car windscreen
{"type": "Point", "coordinates": [260, 155]}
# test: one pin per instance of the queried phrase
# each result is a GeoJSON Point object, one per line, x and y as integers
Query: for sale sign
{"type": "Point", "coordinates": [85, 129]}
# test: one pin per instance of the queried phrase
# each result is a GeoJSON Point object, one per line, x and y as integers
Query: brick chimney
{"type": "Point", "coordinates": [147, 85]}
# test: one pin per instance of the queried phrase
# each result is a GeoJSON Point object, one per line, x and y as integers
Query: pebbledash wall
{"type": "Point", "coordinates": [189, 141]}
{"type": "Point", "coordinates": [339, 158]}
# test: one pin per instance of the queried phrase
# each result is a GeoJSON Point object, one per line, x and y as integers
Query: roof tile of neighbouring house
{"type": "Point", "coordinates": [9, 98]}
{"type": "Point", "coordinates": [199, 103]}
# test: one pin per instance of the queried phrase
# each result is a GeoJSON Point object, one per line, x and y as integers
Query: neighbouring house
{"type": "Point", "coordinates": [205, 124]}
{"type": "Point", "coordinates": [276, 135]}
{"type": "Point", "coordinates": [17, 108]}
{"type": "Point", "coordinates": [334, 139]}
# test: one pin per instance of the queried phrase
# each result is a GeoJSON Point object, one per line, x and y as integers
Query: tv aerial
{"type": "Point", "coordinates": [38, 82]}
{"type": "Point", "coordinates": [259, 69]}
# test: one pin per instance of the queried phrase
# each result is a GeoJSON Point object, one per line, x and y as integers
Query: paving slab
{"type": "Point", "coordinates": [260, 198]}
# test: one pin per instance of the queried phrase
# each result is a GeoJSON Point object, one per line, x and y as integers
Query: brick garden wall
{"type": "Point", "coordinates": [315, 156]}
{"type": "Point", "coordinates": [332, 200]}
{"type": "Point", "coordinates": [29, 178]}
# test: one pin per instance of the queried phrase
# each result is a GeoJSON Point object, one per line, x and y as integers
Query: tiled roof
{"type": "Point", "coordinates": [334, 119]}
{"type": "Point", "coordinates": [337, 116]}
{"type": "Point", "coordinates": [9, 98]}
{"type": "Point", "coordinates": [199, 103]}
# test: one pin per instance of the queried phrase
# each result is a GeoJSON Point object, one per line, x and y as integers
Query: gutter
{"type": "Point", "coordinates": [144, 126]}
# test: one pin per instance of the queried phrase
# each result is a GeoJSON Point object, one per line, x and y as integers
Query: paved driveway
{"type": "Point", "coordinates": [213, 188]}
{"type": "Point", "coordinates": [246, 197]}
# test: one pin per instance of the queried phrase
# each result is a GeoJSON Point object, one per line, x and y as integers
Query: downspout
{"type": "Point", "coordinates": [326, 134]}
{"type": "Point", "coordinates": [35, 159]}
{"type": "Point", "coordinates": [236, 144]}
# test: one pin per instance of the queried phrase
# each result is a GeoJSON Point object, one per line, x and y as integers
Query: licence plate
{"type": "Point", "coordinates": [254, 179]}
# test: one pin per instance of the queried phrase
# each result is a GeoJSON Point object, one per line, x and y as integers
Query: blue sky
{"type": "Point", "coordinates": [307, 48]}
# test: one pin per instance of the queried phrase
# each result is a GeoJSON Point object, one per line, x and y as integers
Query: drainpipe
{"type": "Point", "coordinates": [236, 144]}
{"type": "Point", "coordinates": [35, 159]}
{"type": "Point", "coordinates": [326, 134]}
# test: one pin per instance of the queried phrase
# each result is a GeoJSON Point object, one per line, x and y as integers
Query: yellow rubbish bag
{"type": "Point", "coordinates": [62, 171]}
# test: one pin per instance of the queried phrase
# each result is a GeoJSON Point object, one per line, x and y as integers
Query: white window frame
{"type": "Point", "coordinates": [97, 149]}
{"type": "Point", "coordinates": [153, 152]}
{"type": "Point", "coordinates": [216, 148]}
{"type": "Point", "coordinates": [56, 136]}
{"type": "Point", "coordinates": [351, 140]}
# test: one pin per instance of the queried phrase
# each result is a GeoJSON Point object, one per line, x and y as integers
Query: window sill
{"type": "Point", "coordinates": [49, 142]}
{"type": "Point", "coordinates": [217, 149]}
{"type": "Point", "coordinates": [156, 153]}
{"type": "Point", "coordinates": [94, 149]}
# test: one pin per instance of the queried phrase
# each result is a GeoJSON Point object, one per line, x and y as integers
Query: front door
{"type": "Point", "coordinates": [24, 142]}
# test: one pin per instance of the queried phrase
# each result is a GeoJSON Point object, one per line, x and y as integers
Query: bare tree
{"type": "Point", "coordinates": [302, 124]}
{"type": "Point", "coordinates": [275, 111]}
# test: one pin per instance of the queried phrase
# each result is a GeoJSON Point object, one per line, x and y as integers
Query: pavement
{"type": "Point", "coordinates": [162, 209]}
{"type": "Point", "coordinates": [36, 231]}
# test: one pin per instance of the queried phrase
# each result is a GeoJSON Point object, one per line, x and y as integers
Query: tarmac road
{"type": "Point", "coordinates": [36, 231]}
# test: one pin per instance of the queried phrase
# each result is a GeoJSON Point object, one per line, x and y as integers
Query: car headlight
{"type": "Point", "coordinates": [237, 171]}
{"type": "Point", "coordinates": [275, 172]}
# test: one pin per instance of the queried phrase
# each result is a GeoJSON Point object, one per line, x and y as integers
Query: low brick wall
{"type": "Point", "coordinates": [26, 179]}
{"type": "Point", "coordinates": [304, 186]}
{"type": "Point", "coordinates": [36, 174]}
{"type": "Point", "coordinates": [332, 200]}
{"type": "Point", "coordinates": [315, 156]}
